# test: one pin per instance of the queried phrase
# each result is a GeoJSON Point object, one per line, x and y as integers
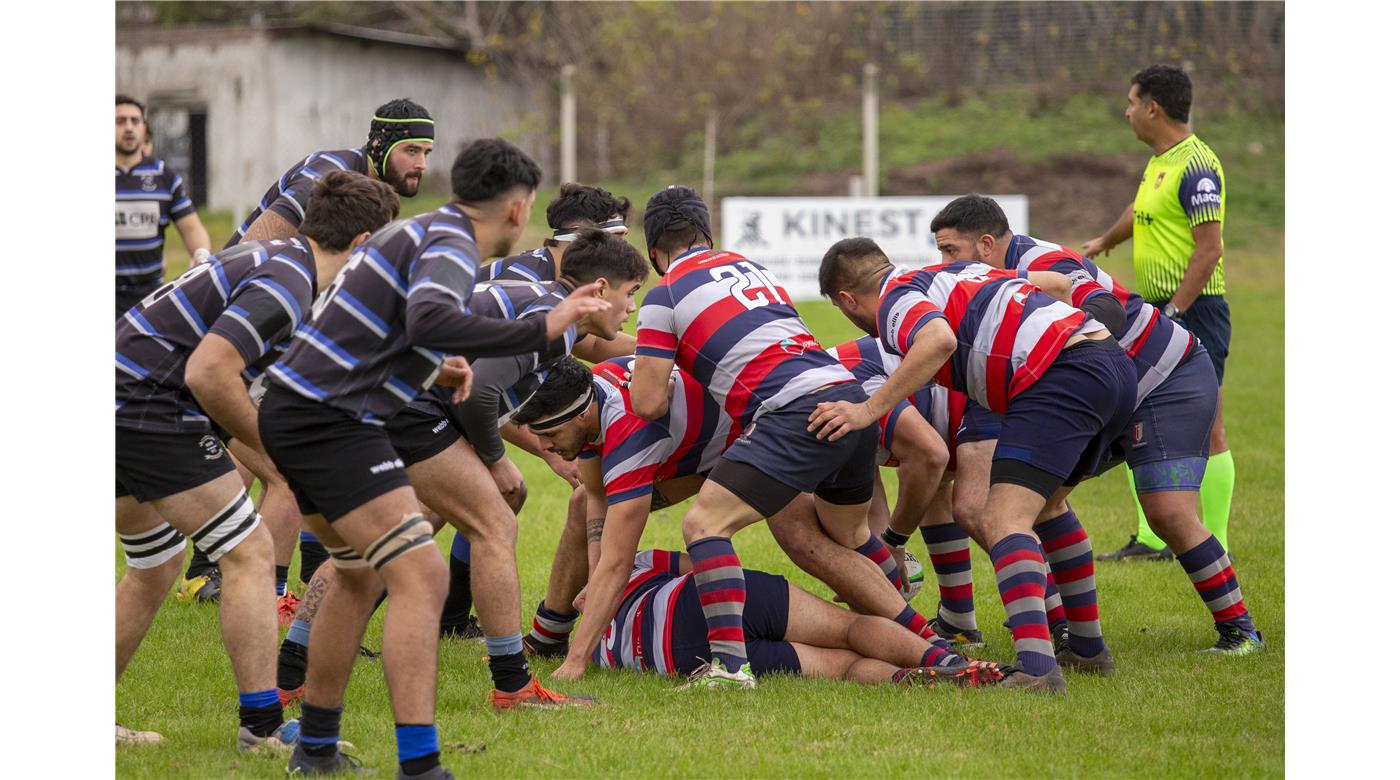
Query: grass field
{"type": "Point", "coordinates": [1168, 712]}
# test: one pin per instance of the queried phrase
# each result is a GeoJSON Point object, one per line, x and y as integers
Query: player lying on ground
{"type": "Point", "coordinates": [630, 467]}
{"type": "Point", "coordinates": [1166, 442]}
{"type": "Point", "coordinates": [183, 357]}
{"type": "Point", "coordinates": [378, 338]}
{"type": "Point", "coordinates": [787, 630]}
{"type": "Point", "coordinates": [1064, 386]}
{"type": "Point", "coordinates": [451, 450]}
{"type": "Point", "coordinates": [396, 152]}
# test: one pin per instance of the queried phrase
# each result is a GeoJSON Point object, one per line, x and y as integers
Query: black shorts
{"type": "Point", "coordinates": [1209, 319]}
{"type": "Point", "coordinates": [418, 434]}
{"type": "Point", "coordinates": [333, 463]}
{"type": "Point", "coordinates": [765, 625]}
{"type": "Point", "coordinates": [783, 458]}
{"type": "Point", "coordinates": [153, 465]}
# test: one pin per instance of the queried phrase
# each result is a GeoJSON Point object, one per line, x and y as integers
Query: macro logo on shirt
{"type": "Point", "coordinates": [1205, 193]}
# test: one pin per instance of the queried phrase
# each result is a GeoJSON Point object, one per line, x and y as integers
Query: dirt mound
{"type": "Point", "coordinates": [1072, 196]}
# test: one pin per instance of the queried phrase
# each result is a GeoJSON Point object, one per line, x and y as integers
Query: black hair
{"type": "Point", "coordinates": [850, 265]}
{"type": "Point", "coordinates": [402, 108]}
{"type": "Point", "coordinates": [580, 205]}
{"type": "Point", "coordinates": [343, 205]}
{"type": "Point", "coordinates": [973, 215]}
{"type": "Point", "coordinates": [489, 168]}
{"type": "Point", "coordinates": [1169, 86]}
{"type": "Point", "coordinates": [595, 253]}
{"type": "Point", "coordinates": [567, 380]}
{"type": "Point", "coordinates": [676, 218]}
{"type": "Point", "coordinates": [127, 100]}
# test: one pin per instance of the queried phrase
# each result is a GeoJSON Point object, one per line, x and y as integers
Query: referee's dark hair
{"type": "Point", "coordinates": [595, 254]}
{"type": "Point", "coordinates": [345, 204]}
{"type": "Point", "coordinates": [127, 100]}
{"type": "Point", "coordinates": [851, 265]}
{"type": "Point", "coordinates": [491, 167]}
{"type": "Point", "coordinates": [567, 380]}
{"type": "Point", "coordinates": [1169, 86]}
{"type": "Point", "coordinates": [972, 215]}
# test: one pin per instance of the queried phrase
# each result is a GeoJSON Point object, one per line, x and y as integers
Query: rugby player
{"type": "Point", "coordinates": [377, 339]}
{"type": "Point", "coordinates": [149, 197]}
{"type": "Point", "coordinates": [1167, 439]}
{"type": "Point", "coordinates": [451, 451]}
{"type": "Point", "coordinates": [725, 320]}
{"type": "Point", "coordinates": [396, 152]}
{"type": "Point", "coordinates": [182, 356]}
{"type": "Point", "coordinates": [1063, 385]}
{"type": "Point", "coordinates": [631, 467]}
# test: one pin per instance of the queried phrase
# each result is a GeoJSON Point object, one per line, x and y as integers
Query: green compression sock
{"type": "Point", "coordinates": [1217, 489]}
{"type": "Point", "coordinates": [1144, 531]}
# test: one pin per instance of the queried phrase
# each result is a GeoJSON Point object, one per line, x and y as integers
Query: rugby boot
{"type": "Point", "coordinates": [964, 637]}
{"type": "Point", "coordinates": [203, 589]}
{"type": "Point", "coordinates": [1136, 551]}
{"type": "Point", "coordinates": [1101, 664]}
{"type": "Point", "coordinates": [1236, 641]}
{"type": "Point", "coordinates": [280, 741]}
{"type": "Point", "coordinates": [287, 605]}
{"type": "Point", "coordinates": [537, 649]}
{"type": "Point", "coordinates": [337, 763]}
{"type": "Point", "coordinates": [1052, 682]}
{"type": "Point", "coordinates": [714, 675]}
{"type": "Point", "coordinates": [536, 696]}
{"type": "Point", "coordinates": [470, 630]}
{"type": "Point", "coordinates": [438, 772]}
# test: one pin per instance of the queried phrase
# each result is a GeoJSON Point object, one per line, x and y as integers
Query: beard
{"type": "Point", "coordinates": [405, 186]}
{"type": "Point", "coordinates": [125, 149]}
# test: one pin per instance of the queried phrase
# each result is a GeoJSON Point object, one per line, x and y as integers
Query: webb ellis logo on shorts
{"type": "Point", "coordinates": [380, 468]}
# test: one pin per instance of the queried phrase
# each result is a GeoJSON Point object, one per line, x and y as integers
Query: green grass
{"type": "Point", "coordinates": [1168, 711]}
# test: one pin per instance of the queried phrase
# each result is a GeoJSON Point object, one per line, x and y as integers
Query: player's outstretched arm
{"type": "Point", "coordinates": [193, 234]}
{"type": "Point", "coordinates": [621, 534]}
{"type": "Point", "coordinates": [933, 345]}
{"type": "Point", "coordinates": [1120, 231]}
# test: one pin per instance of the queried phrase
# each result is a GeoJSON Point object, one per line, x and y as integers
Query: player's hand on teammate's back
{"type": "Point", "coordinates": [507, 477]}
{"type": "Point", "coordinates": [833, 419]}
{"type": "Point", "coordinates": [456, 372]}
{"type": "Point", "coordinates": [1095, 246]}
{"type": "Point", "coordinates": [578, 305]}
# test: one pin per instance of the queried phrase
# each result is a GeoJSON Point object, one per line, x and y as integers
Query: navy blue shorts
{"type": "Point", "coordinates": [1168, 437]}
{"type": "Point", "coordinates": [1209, 319]}
{"type": "Point", "coordinates": [785, 459]}
{"type": "Point", "coordinates": [765, 625]}
{"type": "Point", "coordinates": [978, 424]}
{"type": "Point", "coordinates": [1065, 423]}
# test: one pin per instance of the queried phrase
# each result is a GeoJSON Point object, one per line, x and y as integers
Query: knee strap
{"type": "Point", "coordinates": [149, 549]}
{"type": "Point", "coordinates": [226, 529]}
{"type": "Point", "coordinates": [346, 558]}
{"type": "Point", "coordinates": [412, 533]}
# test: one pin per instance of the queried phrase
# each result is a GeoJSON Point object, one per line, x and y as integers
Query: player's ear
{"type": "Point", "coordinates": [602, 283]}
{"type": "Point", "coordinates": [358, 240]}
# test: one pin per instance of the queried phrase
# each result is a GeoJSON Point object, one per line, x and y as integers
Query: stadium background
{"type": "Point", "coordinates": [1020, 97]}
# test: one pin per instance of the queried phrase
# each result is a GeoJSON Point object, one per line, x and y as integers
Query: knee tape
{"type": "Point", "coordinates": [412, 533]}
{"type": "Point", "coordinates": [346, 558]}
{"type": "Point", "coordinates": [228, 528]}
{"type": "Point", "coordinates": [149, 549]}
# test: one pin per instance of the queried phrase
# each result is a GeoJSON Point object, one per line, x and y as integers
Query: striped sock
{"type": "Point", "coordinates": [720, 582]}
{"type": "Point", "coordinates": [551, 628]}
{"type": "Point", "coordinates": [915, 622]}
{"type": "Point", "coordinates": [1071, 558]}
{"type": "Point", "coordinates": [950, 553]}
{"type": "Point", "coordinates": [1020, 572]}
{"type": "Point", "coordinates": [418, 747]}
{"type": "Point", "coordinates": [940, 653]}
{"type": "Point", "coordinates": [1054, 605]}
{"type": "Point", "coordinates": [1210, 570]}
{"type": "Point", "coordinates": [875, 550]}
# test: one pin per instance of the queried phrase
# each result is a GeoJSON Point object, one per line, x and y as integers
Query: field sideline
{"type": "Point", "coordinates": [1168, 712]}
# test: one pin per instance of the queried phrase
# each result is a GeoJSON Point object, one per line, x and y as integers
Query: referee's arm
{"type": "Point", "coordinates": [1200, 265]}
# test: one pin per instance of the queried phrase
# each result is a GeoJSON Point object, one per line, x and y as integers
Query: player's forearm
{"type": "Point", "coordinates": [193, 234]}
{"type": "Point", "coordinates": [931, 349]}
{"type": "Point", "coordinates": [445, 328]}
{"type": "Point", "coordinates": [224, 397]}
{"type": "Point", "coordinates": [269, 226]}
{"type": "Point", "coordinates": [605, 585]}
{"type": "Point", "coordinates": [593, 534]}
{"type": "Point", "coordinates": [1199, 268]}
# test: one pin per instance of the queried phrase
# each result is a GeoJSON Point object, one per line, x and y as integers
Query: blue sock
{"type": "Point", "coordinates": [461, 548]}
{"type": "Point", "coordinates": [510, 671]}
{"type": "Point", "coordinates": [280, 573]}
{"type": "Point", "coordinates": [504, 645]}
{"type": "Point", "coordinates": [307, 536]}
{"type": "Point", "coordinates": [265, 698]}
{"type": "Point", "coordinates": [299, 633]}
{"type": "Point", "coordinates": [260, 712]}
{"type": "Point", "coordinates": [418, 748]}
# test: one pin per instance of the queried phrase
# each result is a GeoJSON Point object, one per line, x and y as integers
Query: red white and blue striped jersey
{"type": "Point", "coordinates": [149, 197]}
{"type": "Point", "coordinates": [872, 365]}
{"type": "Point", "coordinates": [638, 453]}
{"type": "Point", "coordinates": [639, 636]}
{"type": "Point", "coordinates": [534, 266]}
{"type": "Point", "coordinates": [727, 322]}
{"type": "Point", "coordinates": [288, 196]}
{"type": "Point", "coordinates": [1156, 343]}
{"type": "Point", "coordinates": [1008, 331]}
{"type": "Point", "coordinates": [253, 295]}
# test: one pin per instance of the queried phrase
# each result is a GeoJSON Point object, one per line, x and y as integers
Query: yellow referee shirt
{"type": "Point", "coordinates": [1182, 187]}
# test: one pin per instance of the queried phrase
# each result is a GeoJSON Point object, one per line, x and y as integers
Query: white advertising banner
{"type": "Point", "coordinates": [788, 236]}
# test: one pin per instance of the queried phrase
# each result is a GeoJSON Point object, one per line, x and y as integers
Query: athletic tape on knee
{"type": "Point", "coordinates": [226, 529]}
{"type": "Point", "coordinates": [412, 533]}
{"type": "Point", "coordinates": [346, 558]}
{"type": "Point", "coordinates": [149, 549]}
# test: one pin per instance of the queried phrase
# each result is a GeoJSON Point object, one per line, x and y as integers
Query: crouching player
{"type": "Point", "coordinates": [660, 627]}
{"type": "Point", "coordinates": [1062, 384]}
{"type": "Point", "coordinates": [182, 356]}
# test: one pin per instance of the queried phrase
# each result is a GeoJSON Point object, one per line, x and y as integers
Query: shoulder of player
{"type": "Point", "coordinates": [336, 159]}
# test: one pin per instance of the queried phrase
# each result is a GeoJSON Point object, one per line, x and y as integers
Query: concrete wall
{"type": "Point", "coordinates": [272, 98]}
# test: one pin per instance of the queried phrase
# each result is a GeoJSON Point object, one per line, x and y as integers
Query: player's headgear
{"type": "Point", "coordinates": [396, 122]}
{"type": "Point", "coordinates": [675, 208]}
{"type": "Point", "coordinates": [564, 395]}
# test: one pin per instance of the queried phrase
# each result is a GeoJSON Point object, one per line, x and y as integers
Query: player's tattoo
{"type": "Point", "coordinates": [593, 527]}
{"type": "Point", "coordinates": [315, 592]}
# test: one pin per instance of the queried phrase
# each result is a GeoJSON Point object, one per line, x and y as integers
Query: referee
{"type": "Point", "coordinates": [1176, 223]}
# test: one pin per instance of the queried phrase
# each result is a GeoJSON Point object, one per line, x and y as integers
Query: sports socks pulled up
{"type": "Point", "coordinates": [550, 627]}
{"type": "Point", "coordinates": [260, 712]}
{"type": "Point", "coordinates": [877, 552]}
{"type": "Point", "coordinates": [506, 656]}
{"type": "Point", "coordinates": [457, 610]}
{"type": "Point", "coordinates": [1020, 570]}
{"type": "Point", "coordinates": [320, 729]}
{"type": "Point", "coordinates": [418, 747]}
{"type": "Point", "coordinates": [1071, 558]}
{"type": "Point", "coordinates": [1210, 570]}
{"type": "Point", "coordinates": [720, 581]}
{"type": "Point", "coordinates": [281, 577]}
{"type": "Point", "coordinates": [313, 554]}
{"type": "Point", "coordinates": [950, 553]}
